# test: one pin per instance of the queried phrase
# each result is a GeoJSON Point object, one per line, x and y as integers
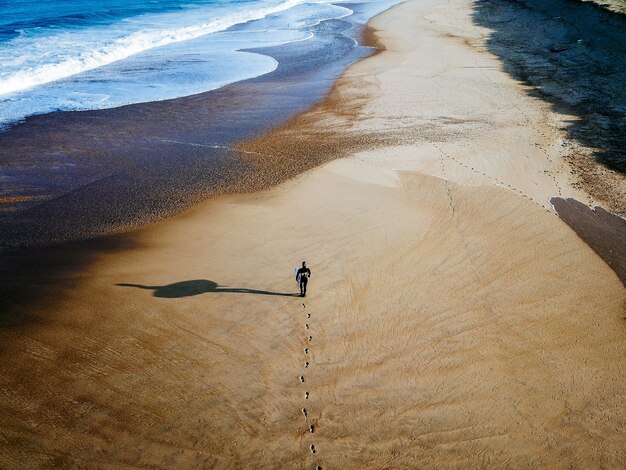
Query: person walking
{"type": "Point", "coordinates": [302, 277]}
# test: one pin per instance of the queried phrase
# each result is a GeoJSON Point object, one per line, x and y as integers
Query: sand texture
{"type": "Point", "coordinates": [453, 320]}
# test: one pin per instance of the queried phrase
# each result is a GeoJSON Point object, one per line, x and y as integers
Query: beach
{"type": "Point", "coordinates": [453, 318]}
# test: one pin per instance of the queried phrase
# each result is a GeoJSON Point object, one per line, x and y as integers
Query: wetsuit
{"type": "Point", "coordinates": [303, 276]}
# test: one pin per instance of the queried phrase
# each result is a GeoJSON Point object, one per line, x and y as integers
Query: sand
{"type": "Point", "coordinates": [454, 320]}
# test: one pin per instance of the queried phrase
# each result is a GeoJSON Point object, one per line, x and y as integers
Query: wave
{"type": "Point", "coordinates": [61, 21]}
{"type": "Point", "coordinates": [127, 46]}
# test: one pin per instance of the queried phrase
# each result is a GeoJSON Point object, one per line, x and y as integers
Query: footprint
{"type": "Point", "coordinates": [310, 338]}
{"type": "Point", "coordinates": [302, 378]}
{"type": "Point", "coordinates": [304, 412]}
{"type": "Point", "coordinates": [306, 364]}
{"type": "Point", "coordinates": [306, 395]}
{"type": "Point", "coordinates": [318, 468]}
{"type": "Point", "coordinates": [303, 306]}
{"type": "Point", "coordinates": [308, 315]}
{"type": "Point", "coordinates": [306, 325]}
{"type": "Point", "coordinates": [312, 448]}
{"type": "Point", "coordinates": [311, 429]}
{"type": "Point", "coordinates": [306, 350]}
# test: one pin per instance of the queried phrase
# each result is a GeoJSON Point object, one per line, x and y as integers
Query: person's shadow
{"type": "Point", "coordinates": [198, 287]}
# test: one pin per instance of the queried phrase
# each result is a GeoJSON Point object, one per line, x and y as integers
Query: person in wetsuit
{"type": "Point", "coordinates": [302, 276]}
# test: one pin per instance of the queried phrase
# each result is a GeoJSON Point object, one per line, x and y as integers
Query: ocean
{"type": "Point", "coordinates": [66, 55]}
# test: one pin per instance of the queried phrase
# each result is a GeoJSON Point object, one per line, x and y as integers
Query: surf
{"type": "Point", "coordinates": [74, 62]}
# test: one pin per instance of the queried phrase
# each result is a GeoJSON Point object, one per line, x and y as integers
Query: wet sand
{"type": "Point", "coordinates": [453, 321]}
{"type": "Point", "coordinates": [78, 175]}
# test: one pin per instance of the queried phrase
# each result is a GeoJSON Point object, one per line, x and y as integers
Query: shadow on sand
{"type": "Point", "coordinates": [602, 231]}
{"type": "Point", "coordinates": [573, 55]}
{"type": "Point", "coordinates": [198, 287]}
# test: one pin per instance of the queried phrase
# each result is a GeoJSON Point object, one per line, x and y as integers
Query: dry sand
{"type": "Point", "coordinates": [455, 320]}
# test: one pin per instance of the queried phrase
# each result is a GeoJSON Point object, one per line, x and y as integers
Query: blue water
{"type": "Point", "coordinates": [82, 54]}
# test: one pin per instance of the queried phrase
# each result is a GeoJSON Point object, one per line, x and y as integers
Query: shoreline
{"type": "Point", "coordinates": [454, 318]}
{"type": "Point", "coordinates": [152, 160]}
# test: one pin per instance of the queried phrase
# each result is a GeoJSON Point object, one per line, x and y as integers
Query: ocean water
{"type": "Point", "coordinates": [85, 54]}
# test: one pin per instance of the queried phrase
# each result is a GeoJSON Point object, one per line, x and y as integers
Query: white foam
{"type": "Point", "coordinates": [127, 46]}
